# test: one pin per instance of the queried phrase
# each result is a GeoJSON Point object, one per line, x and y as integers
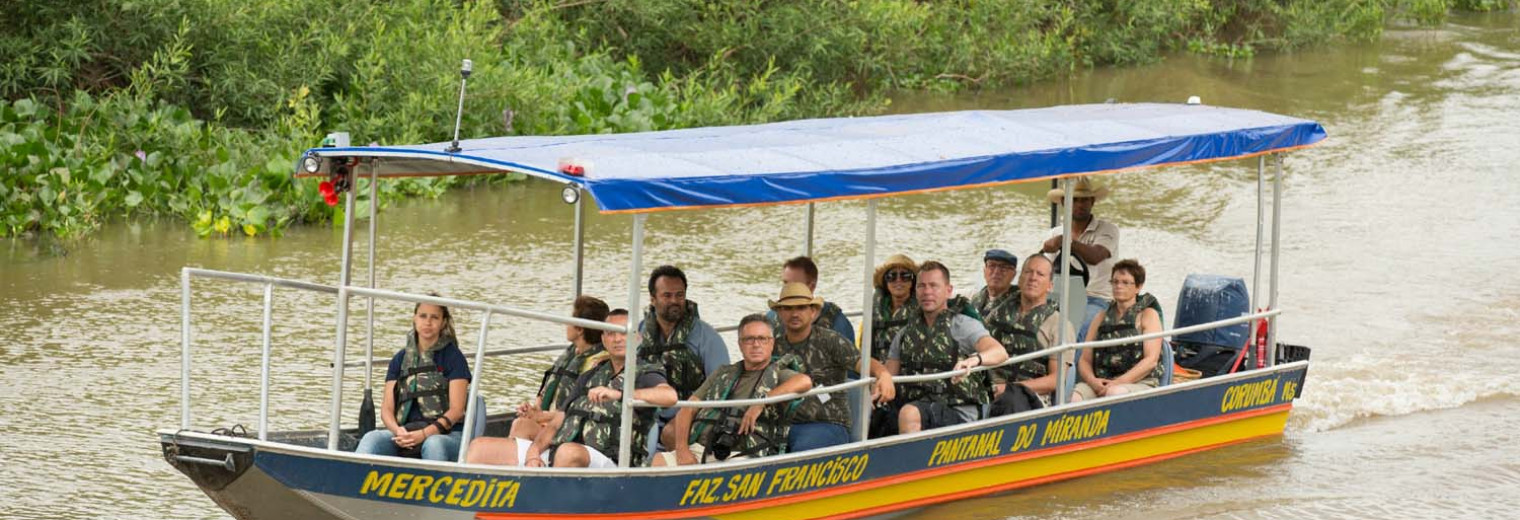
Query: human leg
{"type": "Point", "coordinates": [495, 450]}
{"type": "Point", "coordinates": [572, 455]}
{"type": "Point", "coordinates": [377, 442]}
{"type": "Point", "coordinates": [815, 435]}
{"type": "Point", "coordinates": [442, 447]}
{"type": "Point", "coordinates": [1082, 392]}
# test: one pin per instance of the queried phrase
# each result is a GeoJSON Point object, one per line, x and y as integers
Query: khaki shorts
{"type": "Point", "coordinates": [1087, 392]}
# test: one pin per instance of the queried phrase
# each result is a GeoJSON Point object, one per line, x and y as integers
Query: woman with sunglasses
{"type": "Point", "coordinates": [895, 304]}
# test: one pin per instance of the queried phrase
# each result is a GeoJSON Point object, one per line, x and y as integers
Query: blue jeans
{"type": "Point", "coordinates": [437, 447]}
{"type": "Point", "coordinates": [815, 435]}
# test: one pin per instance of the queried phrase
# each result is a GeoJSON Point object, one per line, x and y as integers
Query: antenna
{"type": "Point", "coordinates": [464, 78]}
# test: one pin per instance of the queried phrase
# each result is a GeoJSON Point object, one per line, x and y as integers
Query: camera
{"type": "Point", "coordinates": [725, 439]}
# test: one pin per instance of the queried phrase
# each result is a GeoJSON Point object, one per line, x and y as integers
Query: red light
{"type": "Point", "coordinates": [573, 167]}
{"type": "Point", "coordinates": [329, 193]}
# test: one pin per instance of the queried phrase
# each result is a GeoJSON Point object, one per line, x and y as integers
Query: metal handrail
{"type": "Point", "coordinates": [486, 307]}
{"type": "Point", "coordinates": [260, 279]}
{"type": "Point", "coordinates": [919, 378]}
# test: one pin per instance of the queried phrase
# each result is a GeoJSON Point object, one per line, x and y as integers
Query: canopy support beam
{"type": "Point", "coordinates": [1250, 347]}
{"type": "Point", "coordinates": [630, 356]}
{"type": "Point", "coordinates": [862, 423]}
{"type": "Point", "coordinates": [1277, 188]}
{"type": "Point", "coordinates": [807, 246]}
{"type": "Point", "coordinates": [580, 244]}
{"type": "Point", "coordinates": [334, 425]}
{"type": "Point", "coordinates": [1066, 377]}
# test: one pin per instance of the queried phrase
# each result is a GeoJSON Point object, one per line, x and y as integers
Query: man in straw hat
{"type": "Point", "coordinates": [822, 420]}
{"type": "Point", "coordinates": [1094, 241]}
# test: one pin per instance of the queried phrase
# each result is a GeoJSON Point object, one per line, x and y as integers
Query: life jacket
{"type": "Point", "coordinates": [558, 384]}
{"type": "Point", "coordinates": [1111, 362]}
{"type": "Point", "coordinates": [596, 425]}
{"type": "Point", "coordinates": [928, 349]}
{"type": "Point", "coordinates": [820, 355]}
{"type": "Point", "coordinates": [422, 385]}
{"type": "Point", "coordinates": [682, 366]}
{"type": "Point", "coordinates": [885, 322]}
{"type": "Point", "coordinates": [768, 437]}
{"type": "Point", "coordinates": [1019, 335]}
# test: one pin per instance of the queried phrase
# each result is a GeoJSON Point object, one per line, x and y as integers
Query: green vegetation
{"type": "Point", "coordinates": [197, 109]}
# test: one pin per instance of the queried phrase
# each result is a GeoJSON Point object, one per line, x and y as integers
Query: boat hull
{"type": "Point", "coordinates": [884, 477]}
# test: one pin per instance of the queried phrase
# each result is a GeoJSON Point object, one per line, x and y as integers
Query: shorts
{"type": "Point", "coordinates": [935, 414]}
{"type": "Point", "coordinates": [1145, 384]}
{"type": "Point", "coordinates": [700, 451]}
{"type": "Point", "coordinates": [522, 452]}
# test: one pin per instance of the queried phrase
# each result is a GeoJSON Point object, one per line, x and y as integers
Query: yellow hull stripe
{"type": "Point", "coordinates": [991, 478]}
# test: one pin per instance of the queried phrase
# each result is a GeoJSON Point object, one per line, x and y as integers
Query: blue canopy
{"type": "Point", "coordinates": [850, 158]}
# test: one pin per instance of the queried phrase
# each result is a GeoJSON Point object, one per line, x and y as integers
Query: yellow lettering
{"type": "Point", "coordinates": [419, 484]}
{"type": "Point", "coordinates": [398, 487]}
{"type": "Point", "coordinates": [375, 481]}
{"type": "Point", "coordinates": [459, 487]}
{"type": "Point", "coordinates": [474, 494]}
{"type": "Point", "coordinates": [433, 495]}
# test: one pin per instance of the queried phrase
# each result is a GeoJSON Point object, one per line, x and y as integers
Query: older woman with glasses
{"type": "Point", "coordinates": [895, 303]}
{"type": "Point", "coordinates": [1126, 368]}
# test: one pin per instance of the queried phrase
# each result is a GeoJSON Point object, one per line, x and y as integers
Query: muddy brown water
{"type": "Point", "coordinates": [1399, 269]}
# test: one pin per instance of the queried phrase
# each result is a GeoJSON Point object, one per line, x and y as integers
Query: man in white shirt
{"type": "Point", "coordinates": [1094, 241]}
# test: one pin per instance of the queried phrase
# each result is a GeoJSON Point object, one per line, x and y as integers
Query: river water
{"type": "Point", "coordinates": [1398, 269]}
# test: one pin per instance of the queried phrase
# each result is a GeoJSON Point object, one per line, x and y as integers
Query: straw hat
{"type": "Point", "coordinates": [895, 261]}
{"type": "Point", "coordinates": [1086, 187]}
{"type": "Point", "coordinates": [795, 293]}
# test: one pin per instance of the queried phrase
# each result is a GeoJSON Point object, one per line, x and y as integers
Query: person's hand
{"type": "Point", "coordinates": [530, 411]}
{"type": "Point", "coordinates": [684, 456]}
{"type": "Point", "coordinates": [411, 439]}
{"type": "Point", "coordinates": [997, 389]}
{"type": "Point", "coordinates": [603, 394]}
{"type": "Point", "coordinates": [1103, 386]}
{"type": "Point", "coordinates": [884, 391]}
{"type": "Point", "coordinates": [1052, 244]}
{"type": "Point", "coordinates": [750, 416]}
{"type": "Point", "coordinates": [534, 462]}
{"type": "Point", "coordinates": [970, 362]}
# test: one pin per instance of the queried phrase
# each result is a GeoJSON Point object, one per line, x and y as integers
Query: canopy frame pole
{"type": "Point", "coordinates": [861, 426]}
{"type": "Point", "coordinates": [334, 425]}
{"type": "Point", "coordinates": [1261, 167]}
{"type": "Point", "coordinates": [630, 356]}
{"type": "Point", "coordinates": [1277, 188]}
{"type": "Point", "coordinates": [474, 393]}
{"type": "Point", "coordinates": [807, 246]}
{"type": "Point", "coordinates": [264, 362]}
{"type": "Point", "coordinates": [1068, 364]}
{"type": "Point", "coordinates": [369, 327]}
{"type": "Point", "coordinates": [580, 245]}
{"type": "Point", "coordinates": [184, 338]}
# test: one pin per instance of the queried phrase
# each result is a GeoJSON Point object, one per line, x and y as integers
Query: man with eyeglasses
{"type": "Point", "coordinates": [705, 434]}
{"type": "Point", "coordinates": [941, 340]}
{"type": "Point", "coordinates": [996, 302]}
{"type": "Point", "coordinates": [821, 420]}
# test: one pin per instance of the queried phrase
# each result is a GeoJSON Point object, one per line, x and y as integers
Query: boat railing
{"type": "Point", "coordinates": [920, 378]}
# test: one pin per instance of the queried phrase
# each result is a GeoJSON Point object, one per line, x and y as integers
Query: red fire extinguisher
{"type": "Point", "coordinates": [1260, 342]}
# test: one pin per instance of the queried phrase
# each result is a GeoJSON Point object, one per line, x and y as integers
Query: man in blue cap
{"type": "Point", "coordinates": [998, 301]}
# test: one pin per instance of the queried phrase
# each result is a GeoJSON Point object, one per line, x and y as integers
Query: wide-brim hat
{"type": "Point", "coordinates": [893, 262]}
{"type": "Point", "coordinates": [1086, 187]}
{"type": "Point", "coordinates": [796, 294]}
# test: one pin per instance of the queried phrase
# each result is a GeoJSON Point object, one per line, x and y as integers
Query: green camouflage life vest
{"type": "Point", "coordinates": [558, 385]}
{"type": "Point", "coordinates": [683, 367]}
{"type": "Point", "coordinates": [927, 349]}
{"type": "Point", "coordinates": [1111, 362]}
{"type": "Point", "coordinates": [821, 354]}
{"type": "Point", "coordinates": [1019, 335]}
{"type": "Point", "coordinates": [885, 322]}
{"type": "Point", "coordinates": [422, 383]}
{"type": "Point", "coordinates": [768, 437]}
{"type": "Point", "coordinates": [595, 425]}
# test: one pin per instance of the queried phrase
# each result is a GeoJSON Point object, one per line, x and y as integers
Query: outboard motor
{"type": "Point", "coordinates": [1207, 298]}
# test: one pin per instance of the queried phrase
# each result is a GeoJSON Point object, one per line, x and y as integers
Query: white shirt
{"type": "Point", "coordinates": [1099, 233]}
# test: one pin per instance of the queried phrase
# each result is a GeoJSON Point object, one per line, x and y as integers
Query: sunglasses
{"type": "Point", "coordinates": [898, 275]}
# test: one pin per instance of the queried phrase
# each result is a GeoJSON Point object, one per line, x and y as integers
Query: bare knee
{"type": "Point", "coordinates": [1116, 390]}
{"type": "Point", "coordinates": [1075, 396]}
{"type": "Point", "coordinates": [492, 451]}
{"type": "Point", "coordinates": [524, 428]}
{"type": "Point", "coordinates": [571, 455]}
{"type": "Point", "coordinates": [909, 419]}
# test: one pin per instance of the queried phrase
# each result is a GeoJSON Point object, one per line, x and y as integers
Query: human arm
{"type": "Point", "coordinates": [795, 383]}
{"type": "Point", "coordinates": [1104, 243]}
{"type": "Point", "coordinates": [884, 391]}
{"type": "Point", "coordinates": [1085, 362]}
{"type": "Point", "coordinates": [682, 433]}
{"type": "Point", "coordinates": [1149, 322]}
{"type": "Point", "coordinates": [553, 421]}
{"type": "Point", "coordinates": [388, 409]}
{"type": "Point", "coordinates": [988, 352]}
{"type": "Point", "coordinates": [709, 346]}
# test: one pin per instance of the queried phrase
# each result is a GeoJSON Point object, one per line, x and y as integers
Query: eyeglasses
{"type": "Point", "coordinates": [755, 340]}
{"type": "Point", "coordinates": [898, 275]}
{"type": "Point", "coordinates": [1122, 283]}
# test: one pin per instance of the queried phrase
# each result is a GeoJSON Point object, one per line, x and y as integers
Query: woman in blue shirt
{"type": "Point", "coordinates": [426, 387]}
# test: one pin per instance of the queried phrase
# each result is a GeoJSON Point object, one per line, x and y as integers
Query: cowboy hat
{"type": "Point", "coordinates": [899, 261]}
{"type": "Point", "coordinates": [794, 294]}
{"type": "Point", "coordinates": [1086, 187]}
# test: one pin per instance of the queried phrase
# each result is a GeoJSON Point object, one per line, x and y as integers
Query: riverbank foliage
{"type": "Point", "coordinates": [197, 109]}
